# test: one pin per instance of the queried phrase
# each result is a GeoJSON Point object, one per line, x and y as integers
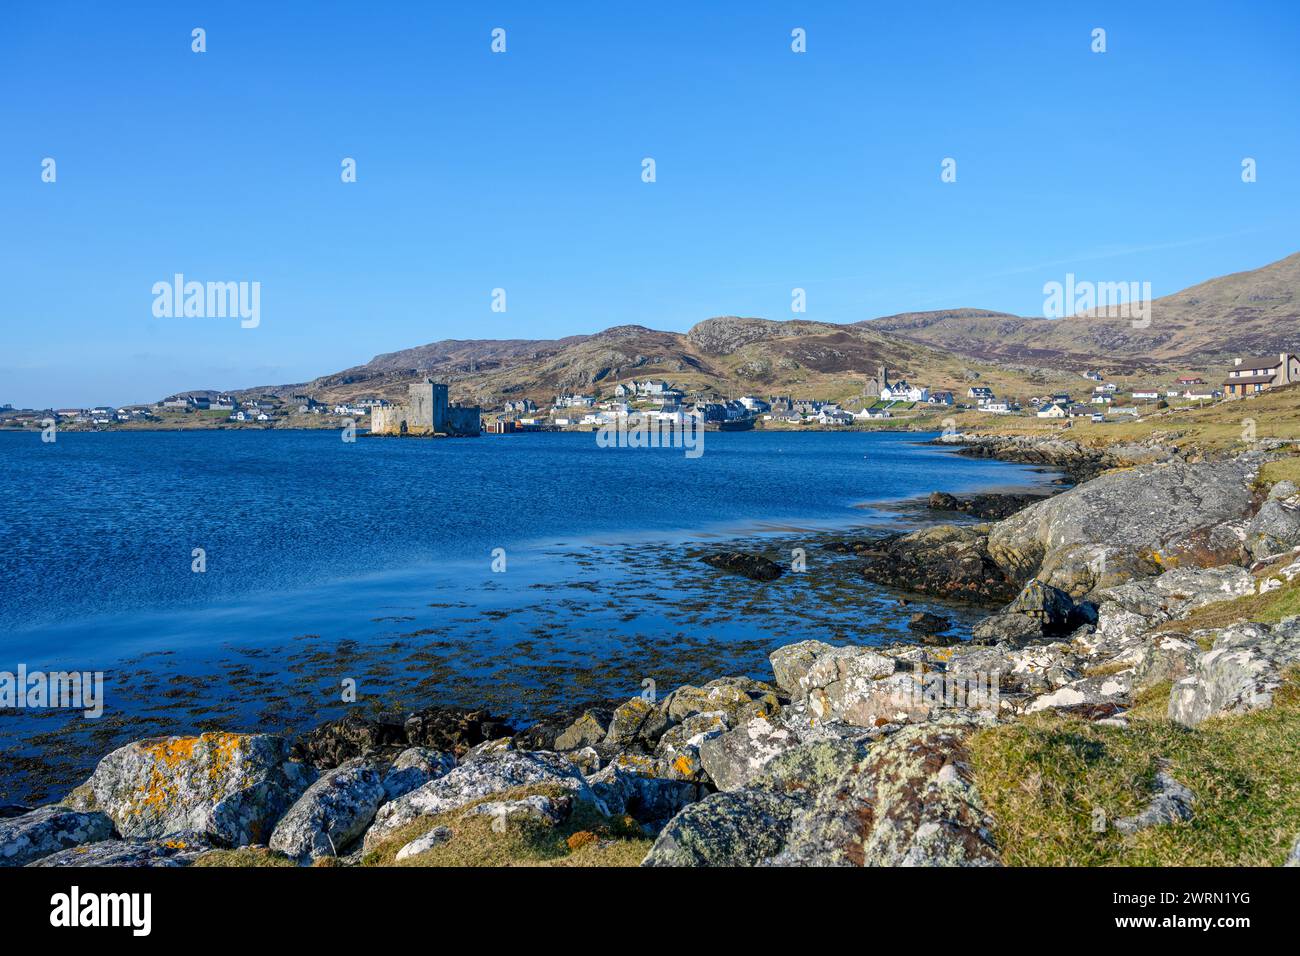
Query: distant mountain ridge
{"type": "Point", "coordinates": [1257, 311]}
{"type": "Point", "coordinates": [1244, 313]}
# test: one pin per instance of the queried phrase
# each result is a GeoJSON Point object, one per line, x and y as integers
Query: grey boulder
{"type": "Point", "coordinates": [909, 802]}
{"type": "Point", "coordinates": [333, 812]}
{"type": "Point", "coordinates": [1274, 529]}
{"type": "Point", "coordinates": [740, 828]}
{"type": "Point", "coordinates": [489, 774]}
{"type": "Point", "coordinates": [179, 849]}
{"type": "Point", "coordinates": [1238, 674]}
{"type": "Point", "coordinates": [48, 830]}
{"type": "Point", "coordinates": [422, 844]}
{"type": "Point", "coordinates": [414, 767]}
{"type": "Point", "coordinates": [734, 758]}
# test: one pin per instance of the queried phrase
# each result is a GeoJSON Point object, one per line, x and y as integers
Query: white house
{"type": "Point", "coordinates": [1146, 393]}
{"type": "Point", "coordinates": [833, 415]}
{"type": "Point", "coordinates": [981, 393]}
{"type": "Point", "coordinates": [1055, 410]}
{"type": "Point", "coordinates": [867, 414]}
{"type": "Point", "coordinates": [901, 391]}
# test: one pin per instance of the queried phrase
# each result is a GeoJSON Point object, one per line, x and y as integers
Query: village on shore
{"type": "Point", "coordinates": [885, 401]}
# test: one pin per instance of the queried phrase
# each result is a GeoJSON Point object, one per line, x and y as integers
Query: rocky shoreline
{"type": "Point", "coordinates": [850, 755]}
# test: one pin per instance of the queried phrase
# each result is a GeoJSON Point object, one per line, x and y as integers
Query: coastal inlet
{"type": "Point", "coordinates": [373, 562]}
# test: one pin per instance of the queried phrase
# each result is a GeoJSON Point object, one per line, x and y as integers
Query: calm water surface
{"type": "Point", "coordinates": [373, 561]}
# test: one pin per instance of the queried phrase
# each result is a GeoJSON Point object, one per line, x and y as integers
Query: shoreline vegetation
{"type": "Point", "coordinates": [1133, 698]}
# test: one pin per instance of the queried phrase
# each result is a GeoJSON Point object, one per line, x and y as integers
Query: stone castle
{"type": "Point", "coordinates": [426, 412]}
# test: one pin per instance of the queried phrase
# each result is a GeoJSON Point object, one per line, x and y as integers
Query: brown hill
{"type": "Point", "coordinates": [727, 355]}
{"type": "Point", "coordinates": [1257, 311]}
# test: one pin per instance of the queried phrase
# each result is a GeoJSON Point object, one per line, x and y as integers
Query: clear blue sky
{"type": "Point", "coordinates": [523, 170]}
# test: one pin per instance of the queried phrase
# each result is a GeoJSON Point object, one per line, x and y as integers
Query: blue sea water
{"type": "Point", "coordinates": [374, 560]}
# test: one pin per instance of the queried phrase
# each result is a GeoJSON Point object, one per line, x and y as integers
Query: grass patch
{"type": "Point", "coordinates": [1267, 608]}
{"type": "Point", "coordinates": [1045, 775]}
{"type": "Point", "coordinates": [1285, 469]}
{"type": "Point", "coordinates": [585, 839]}
{"type": "Point", "coordinates": [244, 856]}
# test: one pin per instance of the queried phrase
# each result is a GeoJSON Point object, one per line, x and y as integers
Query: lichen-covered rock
{"type": "Point", "coordinates": [677, 753]}
{"type": "Point", "coordinates": [1275, 529]}
{"type": "Point", "coordinates": [637, 721]}
{"type": "Point", "coordinates": [804, 771]}
{"type": "Point", "coordinates": [588, 730]}
{"type": "Point", "coordinates": [487, 775]}
{"type": "Point", "coordinates": [588, 760]}
{"type": "Point", "coordinates": [735, 758]}
{"type": "Point", "coordinates": [860, 700]}
{"type": "Point", "coordinates": [577, 721]}
{"type": "Point", "coordinates": [422, 844]}
{"type": "Point", "coordinates": [737, 828]}
{"type": "Point", "coordinates": [47, 830]}
{"type": "Point", "coordinates": [487, 748]}
{"type": "Point", "coordinates": [1081, 568]}
{"type": "Point", "coordinates": [909, 802]}
{"type": "Point", "coordinates": [1166, 657]}
{"type": "Point", "coordinates": [1126, 614]}
{"type": "Point", "coordinates": [647, 799]}
{"type": "Point", "coordinates": [1154, 508]}
{"type": "Point", "coordinates": [536, 808]}
{"type": "Point", "coordinates": [333, 812]}
{"type": "Point", "coordinates": [414, 767]}
{"type": "Point", "coordinates": [1238, 674]}
{"type": "Point", "coordinates": [1091, 697]}
{"type": "Point", "coordinates": [233, 787]}
{"type": "Point", "coordinates": [738, 698]}
{"type": "Point", "coordinates": [179, 849]}
{"type": "Point", "coordinates": [791, 663]}
{"type": "Point", "coordinates": [1034, 669]}
{"type": "Point", "coordinates": [1014, 630]}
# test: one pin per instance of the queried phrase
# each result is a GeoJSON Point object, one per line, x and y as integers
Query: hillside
{"type": "Point", "coordinates": [727, 355]}
{"type": "Point", "coordinates": [1255, 312]}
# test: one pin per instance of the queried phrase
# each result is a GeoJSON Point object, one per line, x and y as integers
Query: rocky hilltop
{"type": "Point", "coordinates": [1251, 312]}
{"type": "Point", "coordinates": [1160, 594]}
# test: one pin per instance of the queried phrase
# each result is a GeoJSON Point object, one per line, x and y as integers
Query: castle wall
{"type": "Point", "coordinates": [463, 420]}
{"type": "Point", "coordinates": [426, 413]}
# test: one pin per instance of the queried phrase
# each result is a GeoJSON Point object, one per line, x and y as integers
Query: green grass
{"type": "Point", "coordinates": [1268, 608]}
{"type": "Point", "coordinates": [1275, 471]}
{"type": "Point", "coordinates": [1043, 776]}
